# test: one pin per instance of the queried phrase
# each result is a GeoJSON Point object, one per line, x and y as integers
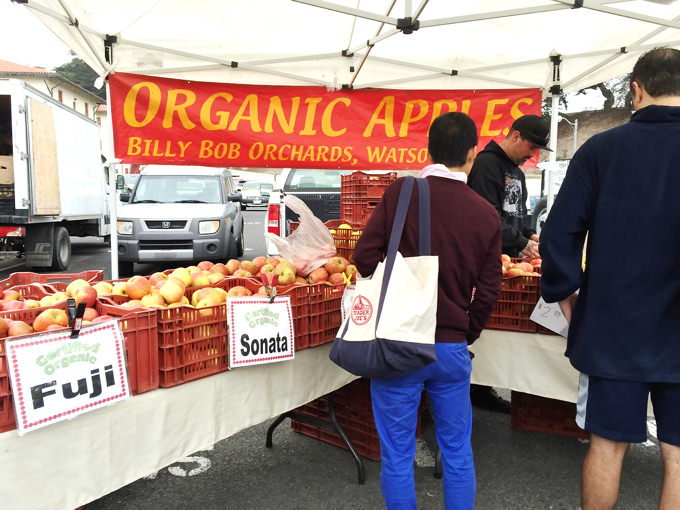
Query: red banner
{"type": "Point", "coordinates": [167, 121]}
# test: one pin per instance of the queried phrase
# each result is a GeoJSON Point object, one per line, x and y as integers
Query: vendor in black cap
{"type": "Point", "coordinates": [496, 176]}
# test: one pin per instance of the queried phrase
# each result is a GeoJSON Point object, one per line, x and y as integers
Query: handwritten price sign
{"type": "Point", "coordinates": [549, 315]}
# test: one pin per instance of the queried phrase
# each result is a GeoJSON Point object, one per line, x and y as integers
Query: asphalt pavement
{"type": "Point", "coordinates": [516, 469]}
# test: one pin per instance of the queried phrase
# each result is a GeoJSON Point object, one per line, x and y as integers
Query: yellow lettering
{"type": "Point", "coordinates": [408, 114]}
{"type": "Point", "coordinates": [490, 116]}
{"type": "Point", "coordinates": [183, 146]}
{"type": "Point", "coordinates": [134, 146]}
{"type": "Point", "coordinates": [275, 108]}
{"type": "Point", "coordinates": [326, 118]}
{"type": "Point", "coordinates": [206, 149]}
{"type": "Point", "coordinates": [387, 103]}
{"type": "Point", "coordinates": [251, 104]}
{"type": "Point", "coordinates": [515, 111]}
{"type": "Point", "coordinates": [281, 157]}
{"type": "Point", "coordinates": [312, 102]}
{"type": "Point", "coordinates": [130, 103]}
{"type": "Point", "coordinates": [222, 116]}
{"type": "Point", "coordinates": [234, 151]}
{"type": "Point", "coordinates": [181, 109]}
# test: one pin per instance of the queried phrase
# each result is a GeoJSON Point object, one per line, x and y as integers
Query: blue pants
{"type": "Point", "coordinates": [395, 409]}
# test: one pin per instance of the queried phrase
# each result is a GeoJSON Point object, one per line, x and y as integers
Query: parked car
{"type": "Point", "coordinates": [255, 194]}
{"type": "Point", "coordinates": [180, 213]}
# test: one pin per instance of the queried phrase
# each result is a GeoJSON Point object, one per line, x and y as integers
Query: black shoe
{"type": "Point", "coordinates": [485, 397]}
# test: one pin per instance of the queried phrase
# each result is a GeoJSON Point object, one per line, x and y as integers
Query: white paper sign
{"type": "Point", "coordinates": [260, 331]}
{"type": "Point", "coordinates": [549, 315]}
{"type": "Point", "coordinates": [55, 377]}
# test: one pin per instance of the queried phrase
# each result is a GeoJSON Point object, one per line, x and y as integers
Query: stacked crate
{"type": "Point", "coordinates": [360, 193]}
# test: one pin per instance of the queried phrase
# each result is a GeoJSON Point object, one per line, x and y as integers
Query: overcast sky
{"type": "Point", "coordinates": [25, 40]}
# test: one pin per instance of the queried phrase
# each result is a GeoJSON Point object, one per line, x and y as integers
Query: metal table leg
{"type": "Point", "coordinates": [345, 439]}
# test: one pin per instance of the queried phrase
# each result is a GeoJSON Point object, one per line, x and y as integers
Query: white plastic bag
{"type": "Point", "coordinates": [310, 245]}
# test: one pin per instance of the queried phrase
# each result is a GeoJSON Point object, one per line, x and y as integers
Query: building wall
{"type": "Point", "coordinates": [57, 90]}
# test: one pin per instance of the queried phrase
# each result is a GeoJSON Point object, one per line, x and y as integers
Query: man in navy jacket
{"type": "Point", "coordinates": [621, 189]}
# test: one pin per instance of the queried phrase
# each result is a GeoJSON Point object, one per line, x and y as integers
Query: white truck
{"type": "Point", "coordinates": [52, 181]}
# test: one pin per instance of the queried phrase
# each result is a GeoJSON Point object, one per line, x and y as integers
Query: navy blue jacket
{"type": "Point", "coordinates": [622, 188]}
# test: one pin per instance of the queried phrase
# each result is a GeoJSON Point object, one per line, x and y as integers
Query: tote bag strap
{"type": "Point", "coordinates": [398, 228]}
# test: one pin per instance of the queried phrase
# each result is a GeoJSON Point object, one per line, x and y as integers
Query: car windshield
{"type": "Point", "coordinates": [251, 185]}
{"type": "Point", "coordinates": [314, 179]}
{"type": "Point", "coordinates": [178, 188]}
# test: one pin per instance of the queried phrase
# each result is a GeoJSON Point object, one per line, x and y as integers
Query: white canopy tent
{"type": "Point", "coordinates": [558, 46]}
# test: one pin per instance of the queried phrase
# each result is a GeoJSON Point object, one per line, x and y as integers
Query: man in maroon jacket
{"type": "Point", "coordinates": [466, 236]}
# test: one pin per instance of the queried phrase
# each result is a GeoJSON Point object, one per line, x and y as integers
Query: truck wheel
{"type": "Point", "coordinates": [125, 269]}
{"type": "Point", "coordinates": [540, 215]}
{"type": "Point", "coordinates": [61, 249]}
{"type": "Point", "coordinates": [240, 244]}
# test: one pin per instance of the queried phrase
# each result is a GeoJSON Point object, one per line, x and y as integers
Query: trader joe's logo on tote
{"type": "Point", "coordinates": [362, 310]}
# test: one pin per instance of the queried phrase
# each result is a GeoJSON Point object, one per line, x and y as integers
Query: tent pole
{"type": "Point", "coordinates": [113, 198]}
{"type": "Point", "coordinates": [556, 91]}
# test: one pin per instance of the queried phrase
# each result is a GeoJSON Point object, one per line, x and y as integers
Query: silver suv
{"type": "Point", "coordinates": [180, 213]}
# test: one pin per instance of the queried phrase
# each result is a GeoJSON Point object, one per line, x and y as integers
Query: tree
{"type": "Point", "coordinates": [81, 74]}
{"type": "Point", "coordinates": [616, 92]}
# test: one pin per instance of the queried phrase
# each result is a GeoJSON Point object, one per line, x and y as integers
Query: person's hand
{"type": "Point", "coordinates": [531, 249]}
{"type": "Point", "coordinates": [567, 306]}
{"type": "Point", "coordinates": [534, 237]}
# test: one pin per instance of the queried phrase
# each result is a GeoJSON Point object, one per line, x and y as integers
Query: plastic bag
{"type": "Point", "coordinates": [310, 245]}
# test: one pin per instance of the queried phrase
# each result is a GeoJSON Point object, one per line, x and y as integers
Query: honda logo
{"type": "Point", "coordinates": [165, 224]}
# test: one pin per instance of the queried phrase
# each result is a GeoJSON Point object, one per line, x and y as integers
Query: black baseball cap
{"type": "Point", "coordinates": [534, 129]}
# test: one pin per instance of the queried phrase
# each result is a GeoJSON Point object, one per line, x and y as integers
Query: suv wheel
{"type": "Point", "coordinates": [240, 244]}
{"type": "Point", "coordinates": [540, 215]}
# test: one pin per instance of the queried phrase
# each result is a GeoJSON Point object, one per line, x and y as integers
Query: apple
{"type": "Point", "coordinates": [101, 318]}
{"type": "Point", "coordinates": [220, 295]}
{"type": "Point", "coordinates": [119, 289]}
{"type": "Point", "coordinates": [274, 261]}
{"type": "Point", "coordinates": [505, 258]}
{"type": "Point", "coordinates": [50, 316]}
{"type": "Point", "coordinates": [205, 265]}
{"type": "Point", "coordinates": [249, 266]}
{"type": "Point", "coordinates": [137, 287]}
{"type": "Point", "coordinates": [262, 291]}
{"type": "Point", "coordinates": [103, 288]}
{"type": "Point", "coordinates": [536, 262]}
{"type": "Point", "coordinates": [351, 272]}
{"type": "Point", "coordinates": [206, 303]}
{"type": "Point", "coordinates": [286, 275]}
{"type": "Point", "coordinates": [12, 295]}
{"type": "Point", "coordinates": [335, 265]}
{"type": "Point", "coordinates": [219, 268]}
{"type": "Point", "coordinates": [242, 273]}
{"type": "Point", "coordinates": [301, 280]}
{"type": "Point", "coordinates": [267, 268]}
{"type": "Point", "coordinates": [86, 294]}
{"type": "Point", "coordinates": [75, 284]}
{"type": "Point", "coordinates": [347, 262]}
{"type": "Point", "coordinates": [192, 268]}
{"type": "Point", "coordinates": [17, 328]}
{"type": "Point", "coordinates": [317, 275]}
{"type": "Point", "coordinates": [3, 327]}
{"type": "Point", "coordinates": [514, 271]}
{"type": "Point", "coordinates": [172, 290]}
{"type": "Point", "coordinates": [47, 300]}
{"type": "Point", "coordinates": [215, 276]}
{"type": "Point", "coordinates": [527, 267]}
{"type": "Point", "coordinates": [153, 299]}
{"type": "Point", "coordinates": [232, 266]}
{"type": "Point", "coordinates": [14, 305]}
{"type": "Point", "coordinates": [53, 327]}
{"type": "Point", "coordinates": [238, 291]}
{"type": "Point", "coordinates": [337, 278]}
{"type": "Point", "coordinates": [133, 303]}
{"type": "Point", "coordinates": [60, 296]}
{"type": "Point", "coordinates": [199, 279]}
{"type": "Point", "coordinates": [90, 314]}
{"type": "Point", "coordinates": [157, 279]}
{"type": "Point", "coordinates": [183, 274]}
{"type": "Point", "coordinates": [201, 294]}
{"type": "Point", "coordinates": [260, 261]}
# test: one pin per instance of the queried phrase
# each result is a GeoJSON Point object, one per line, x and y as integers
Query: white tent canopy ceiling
{"type": "Point", "coordinates": [435, 44]}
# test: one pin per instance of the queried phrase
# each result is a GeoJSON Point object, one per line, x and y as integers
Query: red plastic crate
{"type": "Point", "coordinates": [517, 300]}
{"type": "Point", "coordinates": [140, 332]}
{"type": "Point", "coordinates": [540, 414]}
{"type": "Point", "coordinates": [36, 291]}
{"type": "Point", "coordinates": [363, 185]}
{"type": "Point", "coordinates": [345, 239]}
{"type": "Point", "coordinates": [324, 312]}
{"type": "Point", "coordinates": [24, 278]}
{"type": "Point", "coordinates": [358, 210]}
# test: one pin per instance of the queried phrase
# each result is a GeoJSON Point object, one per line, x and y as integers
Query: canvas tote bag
{"type": "Point", "coordinates": [390, 328]}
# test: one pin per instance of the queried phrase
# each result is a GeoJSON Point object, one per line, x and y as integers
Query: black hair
{"type": "Point", "coordinates": [658, 72]}
{"type": "Point", "coordinates": [452, 135]}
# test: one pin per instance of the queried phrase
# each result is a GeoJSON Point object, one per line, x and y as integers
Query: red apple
{"type": "Point", "coordinates": [87, 294]}
{"type": "Point", "coordinates": [232, 266]}
{"type": "Point", "coordinates": [75, 284]}
{"type": "Point", "coordinates": [317, 275]}
{"type": "Point", "coordinates": [14, 305]}
{"type": "Point", "coordinates": [157, 279]}
{"type": "Point", "coordinates": [335, 265]}
{"type": "Point", "coordinates": [238, 291]}
{"type": "Point", "coordinates": [205, 265]}
{"type": "Point", "coordinates": [219, 268]}
{"type": "Point", "coordinates": [249, 266]}
{"type": "Point", "coordinates": [260, 261]}
{"type": "Point", "coordinates": [90, 314]}
{"type": "Point", "coordinates": [17, 328]}
{"type": "Point", "coordinates": [3, 327]}
{"type": "Point", "coordinates": [50, 316]}
{"type": "Point", "coordinates": [12, 295]}
{"type": "Point", "coordinates": [137, 287]}
{"type": "Point", "coordinates": [101, 318]}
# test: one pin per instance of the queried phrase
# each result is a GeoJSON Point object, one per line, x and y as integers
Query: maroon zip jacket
{"type": "Point", "coordinates": [466, 235]}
